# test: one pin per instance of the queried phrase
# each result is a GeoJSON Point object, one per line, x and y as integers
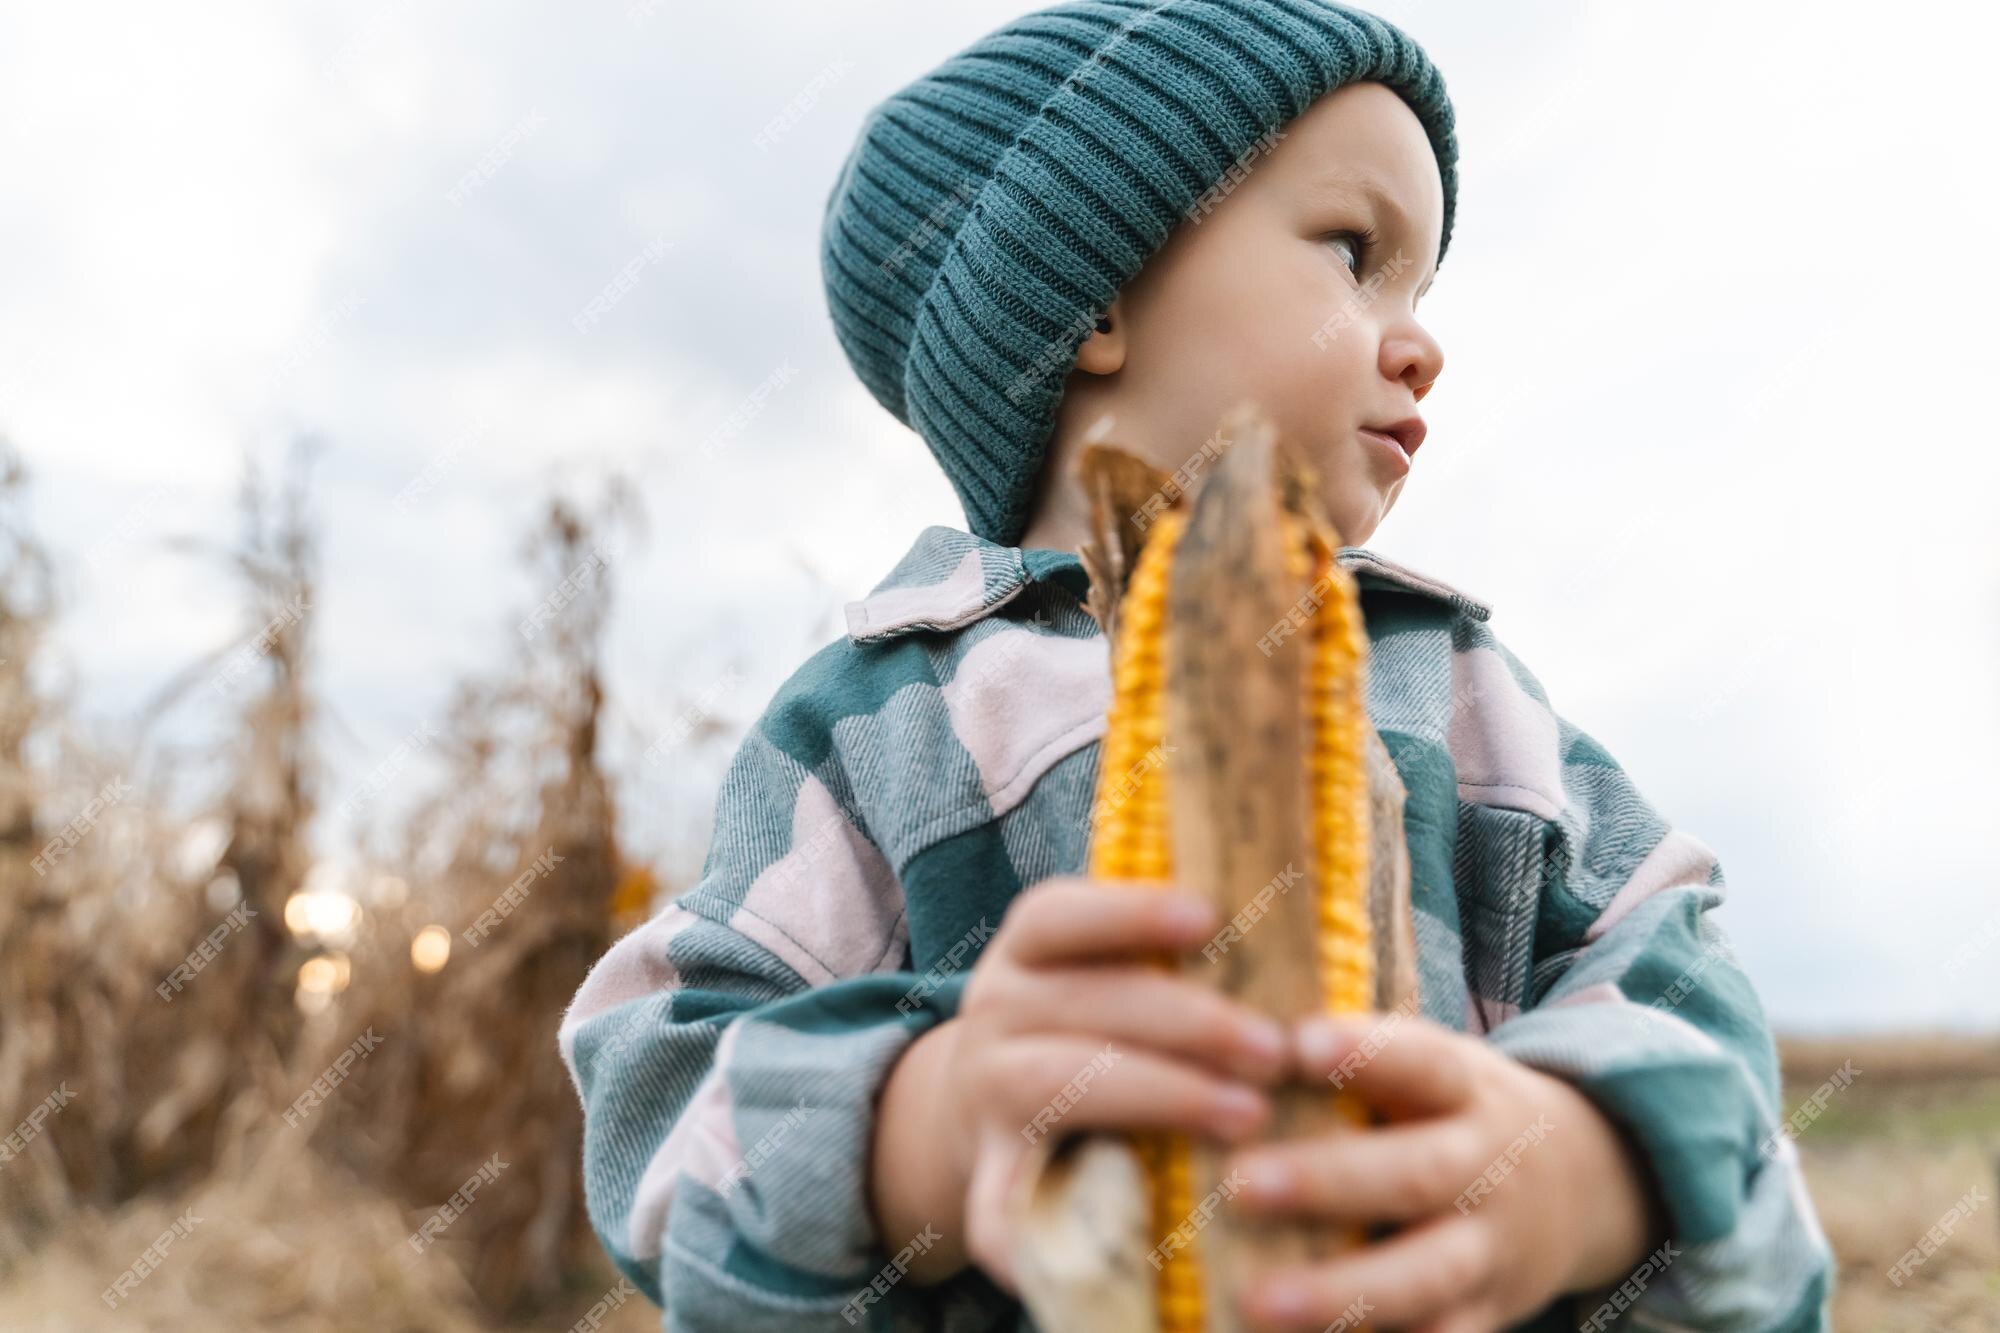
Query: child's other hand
{"type": "Point", "coordinates": [1067, 1023]}
{"type": "Point", "coordinates": [1509, 1186]}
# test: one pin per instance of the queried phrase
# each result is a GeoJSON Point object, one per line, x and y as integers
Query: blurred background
{"type": "Point", "coordinates": [426, 449]}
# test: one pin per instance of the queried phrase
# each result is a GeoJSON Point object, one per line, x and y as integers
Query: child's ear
{"type": "Point", "coordinates": [1103, 352]}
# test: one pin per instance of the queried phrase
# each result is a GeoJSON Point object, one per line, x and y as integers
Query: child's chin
{"type": "Point", "coordinates": [1356, 501]}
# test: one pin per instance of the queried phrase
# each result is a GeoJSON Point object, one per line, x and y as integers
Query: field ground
{"type": "Point", "coordinates": [1905, 1137]}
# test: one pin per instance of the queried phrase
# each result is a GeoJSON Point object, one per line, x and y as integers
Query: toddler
{"type": "Point", "coordinates": [806, 1080]}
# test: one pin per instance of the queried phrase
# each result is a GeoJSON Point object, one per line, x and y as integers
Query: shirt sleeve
{"type": "Point", "coordinates": [1636, 1000]}
{"type": "Point", "coordinates": [729, 1053]}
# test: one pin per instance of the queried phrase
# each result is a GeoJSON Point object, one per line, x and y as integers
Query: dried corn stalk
{"type": "Point", "coordinates": [1238, 755]}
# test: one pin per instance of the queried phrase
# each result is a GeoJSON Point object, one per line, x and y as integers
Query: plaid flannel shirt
{"type": "Point", "coordinates": [911, 778]}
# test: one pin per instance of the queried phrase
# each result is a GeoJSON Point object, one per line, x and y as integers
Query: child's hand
{"type": "Point", "coordinates": [1064, 1025]}
{"type": "Point", "coordinates": [1510, 1187]}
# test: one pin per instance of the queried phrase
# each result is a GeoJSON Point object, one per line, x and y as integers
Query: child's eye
{"type": "Point", "coordinates": [1353, 247]}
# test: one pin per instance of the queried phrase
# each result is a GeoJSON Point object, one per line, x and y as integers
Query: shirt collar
{"type": "Point", "coordinates": [951, 578]}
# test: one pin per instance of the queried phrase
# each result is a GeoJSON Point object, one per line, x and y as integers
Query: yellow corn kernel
{"type": "Point", "coordinates": [1129, 841]}
{"type": "Point", "coordinates": [1338, 711]}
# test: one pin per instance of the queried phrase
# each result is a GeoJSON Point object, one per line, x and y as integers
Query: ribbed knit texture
{"type": "Point", "coordinates": [992, 209]}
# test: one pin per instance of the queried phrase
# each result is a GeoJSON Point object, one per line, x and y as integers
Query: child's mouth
{"type": "Point", "coordinates": [1391, 447]}
{"type": "Point", "coordinates": [1406, 434]}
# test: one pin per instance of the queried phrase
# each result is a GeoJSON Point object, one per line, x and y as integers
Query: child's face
{"type": "Point", "coordinates": [1279, 295]}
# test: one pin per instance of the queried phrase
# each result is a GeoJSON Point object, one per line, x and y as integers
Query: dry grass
{"type": "Point", "coordinates": [252, 1257]}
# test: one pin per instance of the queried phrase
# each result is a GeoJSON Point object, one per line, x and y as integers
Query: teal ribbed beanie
{"type": "Point", "coordinates": [992, 209]}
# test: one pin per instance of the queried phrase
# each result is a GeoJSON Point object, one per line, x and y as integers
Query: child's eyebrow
{"type": "Point", "coordinates": [1358, 180]}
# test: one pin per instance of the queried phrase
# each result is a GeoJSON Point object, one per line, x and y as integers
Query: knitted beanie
{"type": "Point", "coordinates": [990, 211]}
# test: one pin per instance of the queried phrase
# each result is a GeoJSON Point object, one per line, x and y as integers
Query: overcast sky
{"type": "Point", "coordinates": [1713, 435]}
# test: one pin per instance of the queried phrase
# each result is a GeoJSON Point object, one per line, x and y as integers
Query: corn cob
{"type": "Point", "coordinates": [1132, 816]}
